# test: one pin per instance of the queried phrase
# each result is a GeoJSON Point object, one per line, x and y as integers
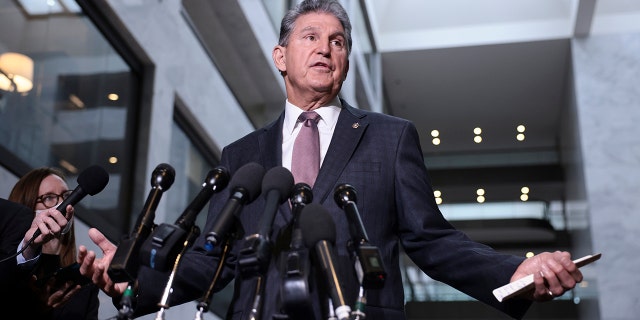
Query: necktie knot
{"type": "Point", "coordinates": [309, 117]}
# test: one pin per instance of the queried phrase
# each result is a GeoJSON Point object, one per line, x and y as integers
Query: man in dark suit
{"type": "Point", "coordinates": [381, 157]}
{"type": "Point", "coordinates": [14, 220]}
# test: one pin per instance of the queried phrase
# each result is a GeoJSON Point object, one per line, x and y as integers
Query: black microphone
{"type": "Point", "coordinates": [277, 184]}
{"type": "Point", "coordinates": [319, 233]}
{"type": "Point", "coordinates": [216, 180]}
{"type": "Point", "coordinates": [125, 263]}
{"type": "Point", "coordinates": [300, 196]}
{"type": "Point", "coordinates": [160, 250]}
{"type": "Point", "coordinates": [90, 182]}
{"type": "Point", "coordinates": [254, 258]}
{"type": "Point", "coordinates": [369, 266]}
{"type": "Point", "coordinates": [295, 265]}
{"type": "Point", "coordinates": [245, 187]}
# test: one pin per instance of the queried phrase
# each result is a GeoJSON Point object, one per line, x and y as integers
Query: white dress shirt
{"type": "Point", "coordinates": [291, 126]}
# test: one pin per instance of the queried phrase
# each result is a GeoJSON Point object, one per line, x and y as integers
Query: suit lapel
{"type": "Point", "coordinates": [270, 144]}
{"type": "Point", "coordinates": [349, 130]}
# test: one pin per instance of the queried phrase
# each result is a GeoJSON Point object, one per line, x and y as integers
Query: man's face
{"type": "Point", "coordinates": [316, 58]}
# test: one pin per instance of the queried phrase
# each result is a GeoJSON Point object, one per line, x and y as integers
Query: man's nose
{"type": "Point", "coordinates": [324, 47]}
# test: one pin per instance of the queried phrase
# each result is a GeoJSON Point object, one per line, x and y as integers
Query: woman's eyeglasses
{"type": "Point", "coordinates": [50, 200]}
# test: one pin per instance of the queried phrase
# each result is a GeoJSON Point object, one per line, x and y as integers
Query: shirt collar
{"type": "Point", "coordinates": [328, 112]}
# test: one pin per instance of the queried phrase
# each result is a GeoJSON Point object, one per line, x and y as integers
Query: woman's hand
{"type": "Point", "coordinates": [50, 222]}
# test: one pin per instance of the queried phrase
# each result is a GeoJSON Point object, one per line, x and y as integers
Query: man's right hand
{"type": "Point", "coordinates": [96, 268]}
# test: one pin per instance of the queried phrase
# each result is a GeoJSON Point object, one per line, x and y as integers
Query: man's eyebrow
{"type": "Point", "coordinates": [308, 28]}
{"type": "Point", "coordinates": [333, 35]}
{"type": "Point", "coordinates": [338, 34]}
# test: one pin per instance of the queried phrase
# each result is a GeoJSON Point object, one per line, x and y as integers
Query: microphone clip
{"type": "Point", "coordinates": [159, 251]}
{"type": "Point", "coordinates": [255, 256]}
{"type": "Point", "coordinates": [371, 266]}
{"type": "Point", "coordinates": [295, 291]}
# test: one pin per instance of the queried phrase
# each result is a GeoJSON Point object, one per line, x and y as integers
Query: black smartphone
{"type": "Point", "coordinates": [63, 275]}
{"type": "Point", "coordinates": [70, 273]}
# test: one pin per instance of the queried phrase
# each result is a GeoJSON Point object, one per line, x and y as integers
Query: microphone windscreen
{"type": "Point", "coordinates": [279, 179]}
{"type": "Point", "coordinates": [316, 224]}
{"type": "Point", "coordinates": [93, 179]}
{"type": "Point", "coordinates": [163, 176]}
{"type": "Point", "coordinates": [249, 178]}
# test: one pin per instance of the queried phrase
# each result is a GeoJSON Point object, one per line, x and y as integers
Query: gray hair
{"type": "Point", "coordinates": [331, 7]}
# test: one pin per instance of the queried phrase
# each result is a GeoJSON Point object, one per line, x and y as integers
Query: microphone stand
{"type": "Point", "coordinates": [203, 305]}
{"type": "Point", "coordinates": [126, 307]}
{"type": "Point", "coordinates": [295, 295]}
{"type": "Point", "coordinates": [332, 313]}
{"type": "Point", "coordinates": [358, 309]}
{"type": "Point", "coordinates": [256, 307]}
{"type": "Point", "coordinates": [253, 263]}
{"type": "Point", "coordinates": [367, 261]}
{"type": "Point", "coordinates": [163, 304]}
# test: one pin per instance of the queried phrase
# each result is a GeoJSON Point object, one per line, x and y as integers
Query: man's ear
{"type": "Point", "coordinates": [346, 71]}
{"type": "Point", "coordinates": [278, 58]}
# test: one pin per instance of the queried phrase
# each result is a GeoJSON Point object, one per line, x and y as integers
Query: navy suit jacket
{"type": "Point", "coordinates": [380, 156]}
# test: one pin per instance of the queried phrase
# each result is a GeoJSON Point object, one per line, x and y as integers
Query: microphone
{"type": "Point", "coordinates": [254, 258]}
{"type": "Point", "coordinates": [319, 233]}
{"type": "Point", "coordinates": [90, 182]}
{"type": "Point", "coordinates": [216, 180]}
{"type": "Point", "coordinates": [369, 264]}
{"type": "Point", "coordinates": [245, 187]}
{"type": "Point", "coordinates": [300, 196]}
{"type": "Point", "coordinates": [295, 265]}
{"type": "Point", "coordinates": [125, 263]}
{"type": "Point", "coordinates": [160, 250]}
{"type": "Point", "coordinates": [276, 186]}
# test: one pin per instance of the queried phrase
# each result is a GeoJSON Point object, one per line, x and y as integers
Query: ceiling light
{"type": "Point", "coordinates": [477, 130]}
{"type": "Point", "coordinates": [435, 141]}
{"type": "Point", "coordinates": [435, 133]}
{"type": "Point", "coordinates": [113, 97]}
{"type": "Point", "coordinates": [480, 192]}
{"type": "Point", "coordinates": [477, 139]}
{"type": "Point", "coordinates": [67, 165]}
{"type": "Point", "coordinates": [524, 189]}
{"type": "Point", "coordinates": [520, 128]}
{"type": "Point", "coordinates": [76, 101]}
{"type": "Point", "coordinates": [520, 137]}
{"type": "Point", "coordinates": [16, 72]}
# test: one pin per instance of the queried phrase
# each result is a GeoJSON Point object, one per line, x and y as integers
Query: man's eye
{"type": "Point", "coordinates": [337, 43]}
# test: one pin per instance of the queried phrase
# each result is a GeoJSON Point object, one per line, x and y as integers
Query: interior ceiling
{"type": "Point", "coordinates": [454, 66]}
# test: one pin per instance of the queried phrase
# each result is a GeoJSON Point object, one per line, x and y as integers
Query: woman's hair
{"type": "Point", "coordinates": [25, 192]}
{"type": "Point", "coordinates": [331, 7]}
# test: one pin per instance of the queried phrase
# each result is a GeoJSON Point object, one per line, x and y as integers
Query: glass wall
{"type": "Point", "coordinates": [67, 99]}
{"type": "Point", "coordinates": [191, 167]}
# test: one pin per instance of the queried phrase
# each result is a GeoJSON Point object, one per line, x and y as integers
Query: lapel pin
{"type": "Point", "coordinates": [355, 125]}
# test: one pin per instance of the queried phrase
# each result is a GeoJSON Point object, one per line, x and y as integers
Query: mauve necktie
{"type": "Point", "coordinates": [305, 161]}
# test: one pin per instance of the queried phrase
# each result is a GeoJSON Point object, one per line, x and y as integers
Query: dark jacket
{"type": "Point", "coordinates": [16, 286]}
{"type": "Point", "coordinates": [381, 157]}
